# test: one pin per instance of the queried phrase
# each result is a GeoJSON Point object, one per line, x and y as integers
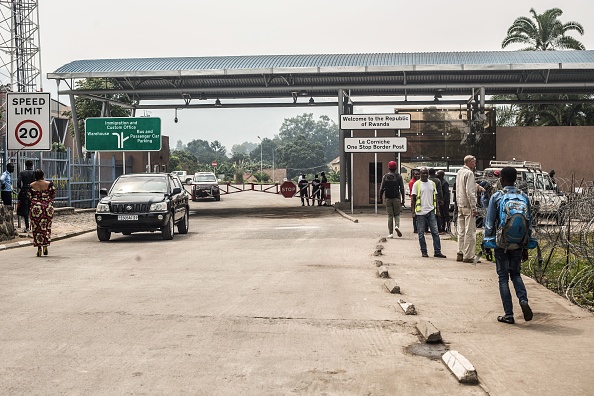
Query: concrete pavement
{"type": "Point", "coordinates": [552, 354]}
{"type": "Point", "coordinates": [549, 355]}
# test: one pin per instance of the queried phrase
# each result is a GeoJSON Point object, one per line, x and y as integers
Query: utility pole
{"type": "Point", "coordinates": [260, 155]}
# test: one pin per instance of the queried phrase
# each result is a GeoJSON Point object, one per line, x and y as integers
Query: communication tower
{"type": "Point", "coordinates": [20, 54]}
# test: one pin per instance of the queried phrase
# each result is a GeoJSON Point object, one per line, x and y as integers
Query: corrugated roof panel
{"type": "Point", "coordinates": [331, 60]}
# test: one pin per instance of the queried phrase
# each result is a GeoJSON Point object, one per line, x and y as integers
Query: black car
{"type": "Point", "coordinates": [143, 202]}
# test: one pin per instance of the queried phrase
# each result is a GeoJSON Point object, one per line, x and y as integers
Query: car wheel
{"type": "Point", "coordinates": [184, 225]}
{"type": "Point", "coordinates": [168, 230]}
{"type": "Point", "coordinates": [103, 234]}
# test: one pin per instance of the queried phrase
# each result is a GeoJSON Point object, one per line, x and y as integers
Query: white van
{"type": "Point", "coordinates": [537, 184]}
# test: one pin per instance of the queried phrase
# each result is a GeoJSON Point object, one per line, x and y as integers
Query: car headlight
{"type": "Point", "coordinates": [158, 207]}
{"type": "Point", "coordinates": [102, 207]}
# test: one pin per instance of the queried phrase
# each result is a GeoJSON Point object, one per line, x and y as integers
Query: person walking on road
{"type": "Point", "coordinates": [445, 206]}
{"type": "Point", "coordinates": [424, 207]}
{"type": "Point", "coordinates": [324, 181]}
{"type": "Point", "coordinates": [415, 176]}
{"type": "Point", "coordinates": [24, 180]}
{"type": "Point", "coordinates": [315, 191]}
{"type": "Point", "coordinates": [42, 194]}
{"type": "Point", "coordinates": [508, 260]}
{"type": "Point", "coordinates": [303, 187]}
{"type": "Point", "coordinates": [393, 185]}
{"type": "Point", "coordinates": [6, 180]}
{"type": "Point", "coordinates": [466, 201]}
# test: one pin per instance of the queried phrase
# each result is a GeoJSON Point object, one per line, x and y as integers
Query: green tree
{"type": "Point", "coordinates": [183, 160]}
{"type": "Point", "coordinates": [86, 107]}
{"type": "Point", "coordinates": [544, 32]}
{"type": "Point", "coordinates": [302, 155]}
{"type": "Point", "coordinates": [324, 132]}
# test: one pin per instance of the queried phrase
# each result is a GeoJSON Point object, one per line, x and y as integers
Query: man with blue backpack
{"type": "Point", "coordinates": [508, 231]}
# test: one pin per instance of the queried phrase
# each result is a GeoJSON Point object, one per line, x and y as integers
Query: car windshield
{"type": "Point", "coordinates": [205, 178]}
{"type": "Point", "coordinates": [140, 185]}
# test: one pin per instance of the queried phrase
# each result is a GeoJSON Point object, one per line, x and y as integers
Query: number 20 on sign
{"type": "Point", "coordinates": [28, 121]}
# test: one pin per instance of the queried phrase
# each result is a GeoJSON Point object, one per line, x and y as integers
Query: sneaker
{"type": "Point", "coordinates": [425, 255]}
{"type": "Point", "coordinates": [390, 236]}
{"type": "Point", "coordinates": [439, 255]}
{"type": "Point", "coordinates": [470, 261]}
{"type": "Point", "coordinates": [526, 311]}
{"type": "Point", "coordinates": [459, 257]}
{"type": "Point", "coordinates": [398, 231]}
{"type": "Point", "coordinates": [509, 319]}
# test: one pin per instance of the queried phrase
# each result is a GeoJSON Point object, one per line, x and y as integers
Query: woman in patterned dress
{"type": "Point", "coordinates": [41, 194]}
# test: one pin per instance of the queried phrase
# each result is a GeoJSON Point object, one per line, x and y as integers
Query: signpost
{"type": "Point", "coordinates": [376, 144]}
{"type": "Point", "coordinates": [28, 121]}
{"type": "Point", "coordinates": [375, 121]}
{"type": "Point", "coordinates": [123, 134]}
{"type": "Point", "coordinates": [288, 189]}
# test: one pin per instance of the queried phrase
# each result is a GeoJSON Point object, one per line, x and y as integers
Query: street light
{"type": "Point", "coordinates": [260, 155]}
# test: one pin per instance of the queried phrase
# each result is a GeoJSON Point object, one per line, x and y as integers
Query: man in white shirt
{"type": "Point", "coordinates": [424, 208]}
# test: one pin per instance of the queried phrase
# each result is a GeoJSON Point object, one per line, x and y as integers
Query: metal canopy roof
{"type": "Point", "coordinates": [187, 80]}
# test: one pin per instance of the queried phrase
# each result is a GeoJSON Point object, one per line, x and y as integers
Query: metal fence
{"type": "Point", "coordinates": [77, 181]}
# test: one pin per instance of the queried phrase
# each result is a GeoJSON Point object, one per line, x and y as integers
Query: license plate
{"type": "Point", "coordinates": [127, 217]}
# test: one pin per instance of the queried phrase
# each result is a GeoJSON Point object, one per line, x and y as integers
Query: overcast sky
{"type": "Point", "coordinates": [75, 30]}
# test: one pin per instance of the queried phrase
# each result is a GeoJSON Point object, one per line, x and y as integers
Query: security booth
{"type": "Point", "coordinates": [438, 137]}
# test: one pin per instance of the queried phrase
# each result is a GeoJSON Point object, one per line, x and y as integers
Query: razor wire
{"type": "Point", "coordinates": [563, 223]}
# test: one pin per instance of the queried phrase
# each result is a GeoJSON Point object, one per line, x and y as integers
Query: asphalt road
{"type": "Point", "coordinates": [261, 297]}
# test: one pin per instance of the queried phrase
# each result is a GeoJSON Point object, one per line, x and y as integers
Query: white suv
{"type": "Point", "coordinates": [537, 184]}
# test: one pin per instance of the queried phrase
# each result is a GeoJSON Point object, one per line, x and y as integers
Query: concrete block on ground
{"type": "Point", "coordinates": [408, 308]}
{"type": "Point", "coordinates": [377, 253]}
{"type": "Point", "coordinates": [428, 331]}
{"type": "Point", "coordinates": [383, 272]}
{"type": "Point", "coordinates": [391, 286]}
{"type": "Point", "coordinates": [378, 263]}
{"type": "Point", "coordinates": [383, 240]}
{"type": "Point", "coordinates": [462, 369]}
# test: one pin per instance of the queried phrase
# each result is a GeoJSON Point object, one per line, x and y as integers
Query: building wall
{"type": "Point", "coordinates": [567, 150]}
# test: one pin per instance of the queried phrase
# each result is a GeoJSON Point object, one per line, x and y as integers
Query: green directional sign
{"type": "Point", "coordinates": [123, 134]}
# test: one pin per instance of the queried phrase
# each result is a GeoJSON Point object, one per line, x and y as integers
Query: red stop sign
{"type": "Point", "coordinates": [288, 189]}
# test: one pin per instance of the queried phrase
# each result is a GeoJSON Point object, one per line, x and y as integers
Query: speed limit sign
{"type": "Point", "coordinates": [28, 121]}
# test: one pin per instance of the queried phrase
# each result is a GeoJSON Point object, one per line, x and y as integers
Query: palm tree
{"type": "Point", "coordinates": [545, 33]}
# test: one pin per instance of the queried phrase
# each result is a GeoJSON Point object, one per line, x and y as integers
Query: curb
{"type": "Point", "coordinates": [54, 238]}
{"type": "Point", "coordinates": [346, 216]}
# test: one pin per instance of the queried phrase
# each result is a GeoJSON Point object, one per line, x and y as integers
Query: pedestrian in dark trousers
{"type": "Point", "coordinates": [445, 206]}
{"type": "Point", "coordinates": [315, 191]}
{"type": "Point", "coordinates": [24, 180]}
{"type": "Point", "coordinates": [508, 260]}
{"type": "Point", "coordinates": [324, 181]}
{"type": "Point", "coordinates": [393, 186]}
{"type": "Point", "coordinates": [424, 207]}
{"type": "Point", "coordinates": [6, 181]}
{"type": "Point", "coordinates": [303, 187]}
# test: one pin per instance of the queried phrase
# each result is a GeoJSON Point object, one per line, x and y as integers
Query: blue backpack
{"type": "Point", "coordinates": [514, 222]}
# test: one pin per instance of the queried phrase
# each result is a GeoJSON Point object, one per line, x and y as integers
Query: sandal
{"type": "Point", "coordinates": [506, 319]}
